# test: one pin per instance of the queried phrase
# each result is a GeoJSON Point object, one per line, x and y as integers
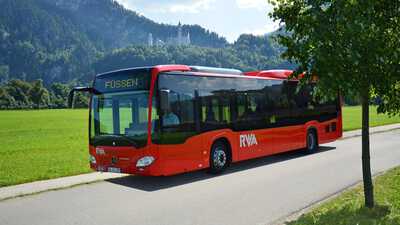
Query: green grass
{"type": "Point", "coordinates": [349, 208]}
{"type": "Point", "coordinates": [44, 144]}
{"type": "Point", "coordinates": [39, 145]}
{"type": "Point", "coordinates": [352, 118]}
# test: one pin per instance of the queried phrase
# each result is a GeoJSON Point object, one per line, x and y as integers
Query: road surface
{"type": "Point", "coordinates": [255, 192]}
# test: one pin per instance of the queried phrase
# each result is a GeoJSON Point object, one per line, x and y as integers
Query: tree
{"type": "Point", "coordinates": [353, 47]}
{"type": "Point", "coordinates": [81, 100]}
{"type": "Point", "coordinates": [6, 100]}
{"type": "Point", "coordinates": [19, 89]}
{"type": "Point", "coordinates": [39, 94]}
{"type": "Point", "coordinates": [59, 95]}
{"type": "Point", "coordinates": [4, 73]}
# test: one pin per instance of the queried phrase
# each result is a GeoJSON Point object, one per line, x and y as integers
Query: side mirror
{"type": "Point", "coordinates": [77, 89]}
{"type": "Point", "coordinates": [164, 100]}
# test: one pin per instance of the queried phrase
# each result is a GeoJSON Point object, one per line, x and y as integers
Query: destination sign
{"type": "Point", "coordinates": [123, 81]}
{"type": "Point", "coordinates": [116, 84]}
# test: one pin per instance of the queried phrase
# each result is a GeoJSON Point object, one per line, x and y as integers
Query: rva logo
{"type": "Point", "coordinates": [247, 140]}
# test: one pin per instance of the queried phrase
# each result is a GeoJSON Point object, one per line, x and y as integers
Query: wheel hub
{"type": "Point", "coordinates": [219, 157]}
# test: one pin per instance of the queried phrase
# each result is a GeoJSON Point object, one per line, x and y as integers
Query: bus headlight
{"type": "Point", "coordinates": [92, 159]}
{"type": "Point", "coordinates": [145, 161]}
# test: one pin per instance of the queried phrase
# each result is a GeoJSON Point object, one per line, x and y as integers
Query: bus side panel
{"type": "Point", "coordinates": [288, 138]}
{"type": "Point", "coordinates": [193, 154]}
{"type": "Point", "coordinates": [179, 158]}
{"type": "Point", "coordinates": [210, 137]}
{"type": "Point", "coordinates": [330, 131]}
{"type": "Point", "coordinates": [250, 144]}
{"type": "Point", "coordinates": [270, 141]}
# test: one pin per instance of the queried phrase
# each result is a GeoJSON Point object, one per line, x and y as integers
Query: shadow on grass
{"type": "Point", "coordinates": [157, 183]}
{"type": "Point", "coordinates": [349, 215]}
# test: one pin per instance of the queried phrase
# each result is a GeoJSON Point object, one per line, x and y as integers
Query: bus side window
{"type": "Point", "coordinates": [217, 102]}
{"type": "Point", "coordinates": [210, 112]}
{"type": "Point", "coordinates": [225, 109]}
{"type": "Point", "coordinates": [241, 105]}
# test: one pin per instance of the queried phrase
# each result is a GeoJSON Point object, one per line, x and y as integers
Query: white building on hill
{"type": "Point", "coordinates": [180, 39]}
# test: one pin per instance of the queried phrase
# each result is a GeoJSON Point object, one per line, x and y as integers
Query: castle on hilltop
{"type": "Point", "coordinates": [180, 39]}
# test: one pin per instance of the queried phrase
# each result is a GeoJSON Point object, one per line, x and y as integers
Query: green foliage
{"type": "Point", "coordinates": [18, 94]}
{"type": "Point", "coordinates": [352, 45]}
{"type": "Point", "coordinates": [348, 207]}
{"type": "Point", "coordinates": [248, 53]}
{"type": "Point", "coordinates": [68, 41]}
{"type": "Point", "coordinates": [40, 43]}
{"type": "Point", "coordinates": [390, 102]}
{"type": "Point", "coordinates": [58, 41]}
{"type": "Point", "coordinates": [109, 25]}
{"type": "Point", "coordinates": [59, 95]}
{"type": "Point", "coordinates": [38, 94]}
{"type": "Point", "coordinates": [4, 73]}
{"type": "Point", "coordinates": [18, 90]}
{"type": "Point", "coordinates": [6, 100]}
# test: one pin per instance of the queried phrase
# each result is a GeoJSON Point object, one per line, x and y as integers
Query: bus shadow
{"type": "Point", "coordinates": [151, 184]}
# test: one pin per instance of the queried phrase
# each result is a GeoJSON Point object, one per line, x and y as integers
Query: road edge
{"type": "Point", "coordinates": [308, 208]}
{"type": "Point", "coordinates": [37, 187]}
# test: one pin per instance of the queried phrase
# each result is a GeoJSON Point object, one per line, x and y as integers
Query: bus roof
{"type": "Point", "coordinates": [215, 71]}
{"type": "Point", "coordinates": [278, 74]}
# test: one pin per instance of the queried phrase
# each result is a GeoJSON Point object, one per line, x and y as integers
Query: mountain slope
{"type": "Point", "coordinates": [109, 23]}
{"type": "Point", "coordinates": [71, 40]}
{"type": "Point", "coordinates": [37, 42]}
{"type": "Point", "coordinates": [58, 40]}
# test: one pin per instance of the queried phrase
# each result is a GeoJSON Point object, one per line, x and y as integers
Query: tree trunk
{"type": "Point", "coordinates": [366, 159]}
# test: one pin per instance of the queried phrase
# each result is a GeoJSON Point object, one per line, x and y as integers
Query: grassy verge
{"type": "Point", "coordinates": [45, 144]}
{"type": "Point", "coordinates": [348, 207]}
{"type": "Point", "coordinates": [352, 118]}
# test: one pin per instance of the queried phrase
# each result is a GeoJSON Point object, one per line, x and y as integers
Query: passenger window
{"type": "Point", "coordinates": [177, 123]}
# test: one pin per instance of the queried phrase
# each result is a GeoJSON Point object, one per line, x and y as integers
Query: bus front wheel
{"type": "Point", "coordinates": [219, 157]}
{"type": "Point", "coordinates": [312, 141]}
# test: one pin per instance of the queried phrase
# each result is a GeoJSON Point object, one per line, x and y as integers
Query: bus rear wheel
{"type": "Point", "coordinates": [219, 157]}
{"type": "Point", "coordinates": [312, 141]}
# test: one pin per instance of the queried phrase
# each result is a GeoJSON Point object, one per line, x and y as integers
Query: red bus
{"type": "Point", "coordinates": [170, 119]}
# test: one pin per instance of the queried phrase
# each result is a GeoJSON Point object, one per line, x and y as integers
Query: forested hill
{"type": "Point", "coordinates": [71, 40]}
{"type": "Point", "coordinates": [36, 41]}
{"type": "Point", "coordinates": [58, 39]}
{"type": "Point", "coordinates": [248, 53]}
{"type": "Point", "coordinates": [110, 25]}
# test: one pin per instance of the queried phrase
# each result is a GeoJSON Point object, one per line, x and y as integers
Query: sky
{"type": "Point", "coordinates": [229, 18]}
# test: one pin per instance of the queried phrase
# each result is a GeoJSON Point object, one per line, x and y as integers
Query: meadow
{"type": "Point", "coordinates": [45, 144]}
{"type": "Point", "coordinates": [348, 207]}
{"type": "Point", "coordinates": [352, 118]}
{"type": "Point", "coordinates": [39, 145]}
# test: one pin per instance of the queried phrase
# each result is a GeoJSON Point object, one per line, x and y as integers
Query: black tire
{"type": "Point", "coordinates": [312, 141]}
{"type": "Point", "coordinates": [219, 157]}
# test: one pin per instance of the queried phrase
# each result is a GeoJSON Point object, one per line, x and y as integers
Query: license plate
{"type": "Point", "coordinates": [114, 170]}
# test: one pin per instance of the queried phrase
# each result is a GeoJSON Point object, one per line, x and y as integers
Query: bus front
{"type": "Point", "coordinates": [119, 128]}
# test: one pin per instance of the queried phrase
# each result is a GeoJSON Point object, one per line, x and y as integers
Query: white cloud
{"type": "Point", "coordinates": [263, 30]}
{"type": "Point", "coordinates": [195, 7]}
{"type": "Point", "coordinates": [252, 4]}
{"type": "Point", "coordinates": [173, 6]}
{"type": "Point", "coordinates": [229, 18]}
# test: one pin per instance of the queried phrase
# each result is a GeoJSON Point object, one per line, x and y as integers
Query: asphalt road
{"type": "Point", "coordinates": [254, 192]}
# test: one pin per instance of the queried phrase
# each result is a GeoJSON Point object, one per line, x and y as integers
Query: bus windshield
{"type": "Point", "coordinates": [119, 110]}
{"type": "Point", "coordinates": [120, 116]}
